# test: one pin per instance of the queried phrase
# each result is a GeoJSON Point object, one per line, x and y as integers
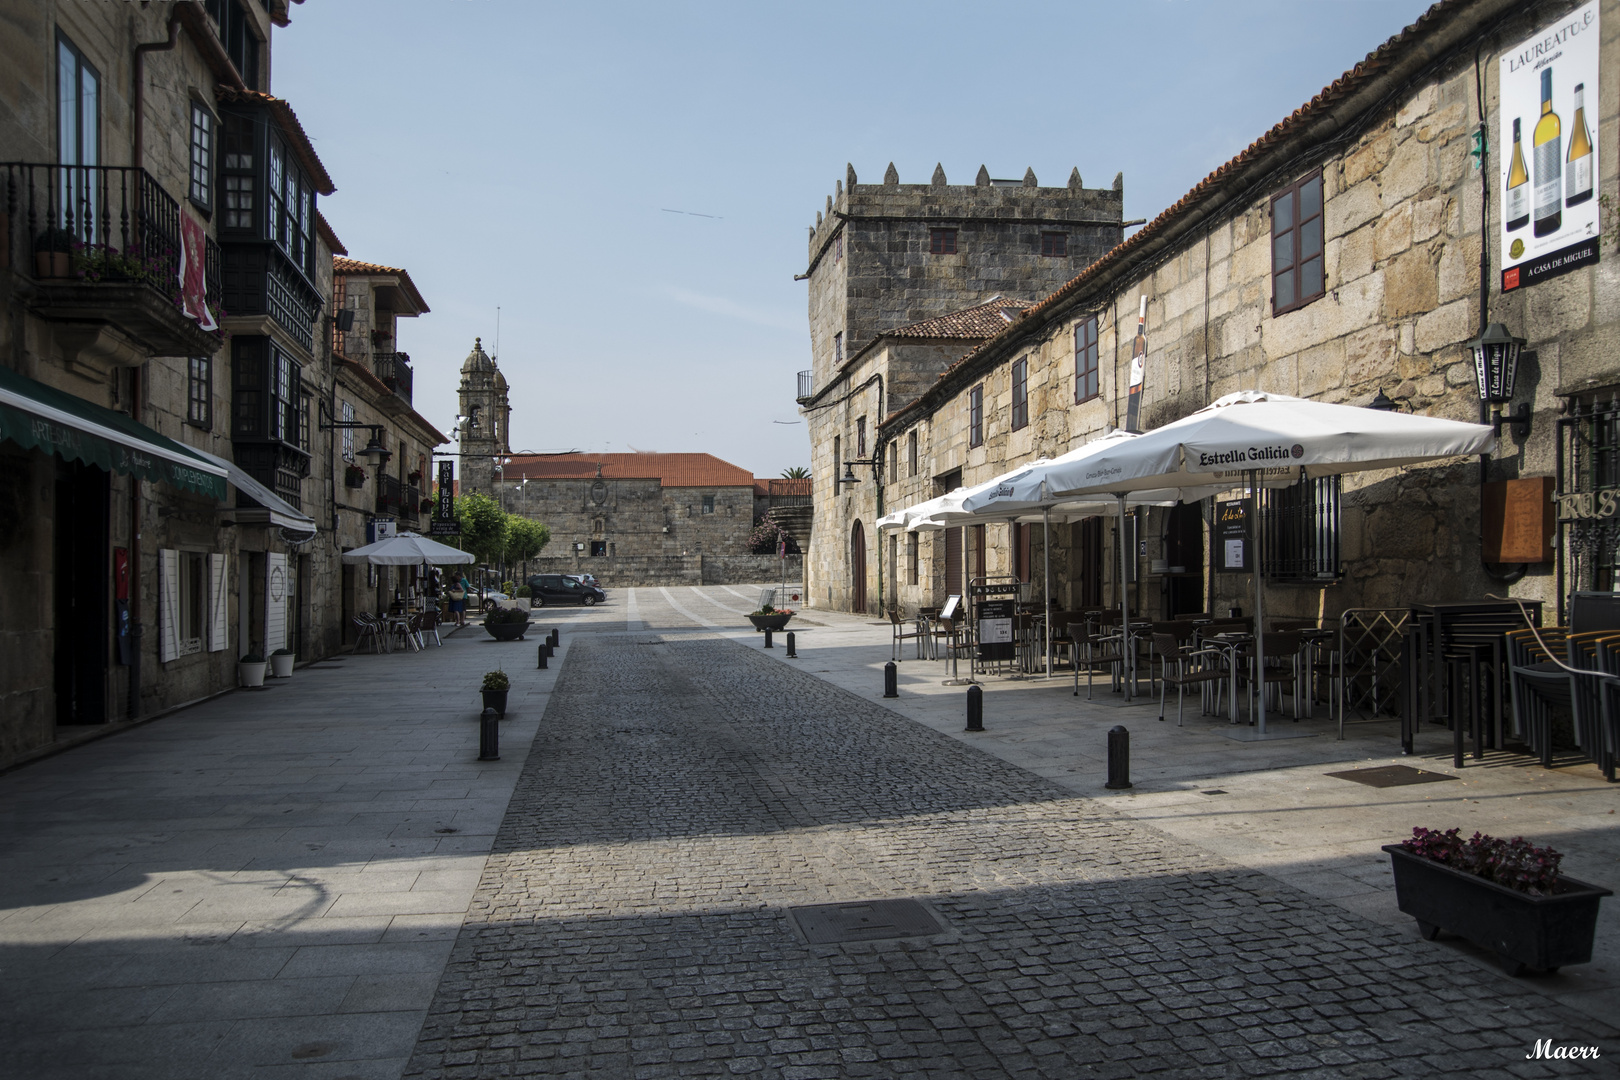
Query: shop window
{"type": "Point", "coordinates": [1296, 245]}
{"type": "Point", "coordinates": [1302, 530]}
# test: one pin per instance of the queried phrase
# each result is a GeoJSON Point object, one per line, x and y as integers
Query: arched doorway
{"type": "Point", "coordinates": [857, 569]}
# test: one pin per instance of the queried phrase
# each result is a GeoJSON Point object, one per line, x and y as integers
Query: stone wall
{"type": "Point", "coordinates": [635, 518]}
{"type": "Point", "coordinates": [637, 571]}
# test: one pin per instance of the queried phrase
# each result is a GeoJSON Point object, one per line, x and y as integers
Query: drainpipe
{"type": "Point", "coordinates": [140, 83]}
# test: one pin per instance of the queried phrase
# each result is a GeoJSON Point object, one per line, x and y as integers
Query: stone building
{"type": "Point", "coordinates": [167, 377]}
{"type": "Point", "coordinates": [642, 518]}
{"type": "Point", "coordinates": [484, 420]}
{"type": "Point", "coordinates": [1339, 257]}
{"type": "Point", "coordinates": [903, 277]}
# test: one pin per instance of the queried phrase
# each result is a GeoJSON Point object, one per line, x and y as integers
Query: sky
{"type": "Point", "coordinates": [631, 184]}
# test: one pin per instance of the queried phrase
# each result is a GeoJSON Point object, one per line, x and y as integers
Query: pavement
{"type": "Point", "coordinates": [268, 884]}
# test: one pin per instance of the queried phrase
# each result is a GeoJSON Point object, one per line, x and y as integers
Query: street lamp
{"type": "Point", "coordinates": [1496, 367]}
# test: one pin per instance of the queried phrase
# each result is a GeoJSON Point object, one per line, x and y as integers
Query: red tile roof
{"type": "Point", "coordinates": [360, 269]}
{"type": "Point", "coordinates": [670, 470]}
{"type": "Point", "coordinates": [977, 322]}
{"type": "Point", "coordinates": [324, 228]}
{"type": "Point", "coordinates": [287, 120]}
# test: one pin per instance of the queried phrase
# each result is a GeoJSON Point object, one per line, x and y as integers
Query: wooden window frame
{"type": "Point", "coordinates": [976, 416]}
{"type": "Point", "coordinates": [911, 452]}
{"type": "Point", "coordinates": [1087, 379]}
{"type": "Point", "coordinates": [200, 392]}
{"type": "Point", "coordinates": [860, 437]}
{"type": "Point", "coordinates": [200, 159]}
{"type": "Point", "coordinates": [1294, 225]}
{"type": "Point", "coordinates": [942, 241]}
{"type": "Point", "coordinates": [838, 347]}
{"type": "Point", "coordinates": [1054, 245]}
{"type": "Point", "coordinates": [912, 557]}
{"type": "Point", "coordinates": [1020, 394]}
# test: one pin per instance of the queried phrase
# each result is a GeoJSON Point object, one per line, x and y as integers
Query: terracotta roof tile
{"type": "Point", "coordinates": [670, 470]}
{"type": "Point", "coordinates": [324, 227]}
{"type": "Point", "coordinates": [290, 127]}
{"type": "Point", "coordinates": [356, 267]}
{"type": "Point", "coordinates": [979, 321]}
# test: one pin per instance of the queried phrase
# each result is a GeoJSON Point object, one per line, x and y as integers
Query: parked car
{"type": "Point", "coordinates": [491, 597]}
{"type": "Point", "coordinates": [585, 579]}
{"type": "Point", "coordinates": [562, 589]}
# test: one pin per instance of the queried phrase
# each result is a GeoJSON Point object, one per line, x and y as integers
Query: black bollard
{"type": "Point", "coordinates": [542, 651]}
{"type": "Point", "coordinates": [891, 680]}
{"type": "Point", "coordinates": [551, 650]}
{"type": "Point", "coordinates": [489, 736]}
{"type": "Point", "coordinates": [791, 653]}
{"type": "Point", "coordinates": [768, 644]}
{"type": "Point", "coordinates": [1119, 758]}
{"type": "Point", "coordinates": [975, 708]}
{"type": "Point", "coordinates": [556, 638]}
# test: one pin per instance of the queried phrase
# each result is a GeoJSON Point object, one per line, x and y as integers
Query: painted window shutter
{"type": "Point", "coordinates": [275, 602]}
{"type": "Point", "coordinates": [168, 605]}
{"type": "Point", "coordinates": [216, 603]}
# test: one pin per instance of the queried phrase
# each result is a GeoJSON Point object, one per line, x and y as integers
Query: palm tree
{"type": "Point", "coordinates": [798, 472]}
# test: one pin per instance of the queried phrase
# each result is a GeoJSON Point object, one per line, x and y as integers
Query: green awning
{"type": "Point", "coordinates": [40, 417]}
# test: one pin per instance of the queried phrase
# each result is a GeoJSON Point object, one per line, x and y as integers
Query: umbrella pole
{"type": "Point", "coordinates": [1259, 598]}
{"type": "Point", "coordinates": [1125, 664]}
{"type": "Point", "coordinates": [1046, 560]}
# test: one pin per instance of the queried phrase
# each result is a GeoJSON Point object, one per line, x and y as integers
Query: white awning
{"type": "Point", "coordinates": [272, 508]}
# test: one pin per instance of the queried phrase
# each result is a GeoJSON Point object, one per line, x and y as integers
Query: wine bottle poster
{"type": "Point", "coordinates": [1138, 376]}
{"type": "Point", "coordinates": [1546, 153]}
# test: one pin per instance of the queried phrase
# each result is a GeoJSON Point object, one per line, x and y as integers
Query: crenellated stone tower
{"type": "Point", "coordinates": [484, 433]}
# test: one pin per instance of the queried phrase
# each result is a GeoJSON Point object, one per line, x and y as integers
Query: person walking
{"type": "Point", "coordinates": [457, 594]}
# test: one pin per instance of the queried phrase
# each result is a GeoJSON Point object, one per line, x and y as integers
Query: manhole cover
{"type": "Point", "coordinates": [873, 920]}
{"type": "Point", "coordinates": [1392, 776]}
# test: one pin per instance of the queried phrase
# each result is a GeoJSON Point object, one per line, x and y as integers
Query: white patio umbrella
{"type": "Point", "coordinates": [408, 549]}
{"type": "Point", "coordinates": [1253, 437]}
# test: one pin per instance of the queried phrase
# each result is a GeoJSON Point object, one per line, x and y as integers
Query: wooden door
{"type": "Point", "coordinates": [857, 569]}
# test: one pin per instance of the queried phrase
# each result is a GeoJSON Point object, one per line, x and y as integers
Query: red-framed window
{"type": "Point", "coordinates": [1297, 275]}
{"type": "Point", "coordinates": [1020, 394]}
{"type": "Point", "coordinates": [976, 416]}
{"type": "Point", "coordinates": [942, 241]}
{"type": "Point", "coordinates": [1055, 245]}
{"type": "Point", "coordinates": [1085, 359]}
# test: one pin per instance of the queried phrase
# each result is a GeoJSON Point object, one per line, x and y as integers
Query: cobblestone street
{"type": "Point", "coordinates": [684, 792]}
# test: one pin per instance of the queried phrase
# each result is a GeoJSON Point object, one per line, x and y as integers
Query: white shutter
{"type": "Point", "coordinates": [275, 602]}
{"type": "Point", "coordinates": [216, 603]}
{"type": "Point", "coordinates": [168, 605]}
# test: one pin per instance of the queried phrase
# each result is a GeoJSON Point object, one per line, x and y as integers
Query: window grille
{"type": "Point", "coordinates": [1302, 524]}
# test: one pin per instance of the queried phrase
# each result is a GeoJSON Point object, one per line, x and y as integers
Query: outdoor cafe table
{"type": "Point", "coordinates": [1451, 627]}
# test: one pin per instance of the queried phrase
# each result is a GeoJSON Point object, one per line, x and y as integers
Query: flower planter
{"type": "Point", "coordinates": [1542, 933]}
{"type": "Point", "coordinates": [507, 631]}
{"type": "Point", "coordinates": [496, 699]}
{"type": "Point", "coordinates": [770, 622]}
{"type": "Point", "coordinates": [281, 665]}
{"type": "Point", "coordinates": [250, 674]}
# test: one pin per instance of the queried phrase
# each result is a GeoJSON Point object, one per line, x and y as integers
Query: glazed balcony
{"type": "Point", "coordinates": [100, 246]}
{"type": "Point", "coordinates": [394, 369]}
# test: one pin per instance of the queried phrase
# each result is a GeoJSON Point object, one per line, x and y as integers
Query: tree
{"type": "Point", "coordinates": [797, 472]}
{"type": "Point", "coordinates": [524, 539]}
{"type": "Point", "coordinates": [483, 526]}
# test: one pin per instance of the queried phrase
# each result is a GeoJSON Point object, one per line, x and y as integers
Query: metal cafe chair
{"type": "Point", "coordinates": [897, 626]}
{"type": "Point", "coordinates": [1182, 666]}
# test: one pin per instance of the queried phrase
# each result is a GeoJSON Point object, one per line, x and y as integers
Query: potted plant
{"type": "Point", "coordinates": [414, 478]}
{"type": "Point", "coordinates": [354, 476]}
{"type": "Point", "coordinates": [250, 670]}
{"type": "Point", "coordinates": [770, 618]}
{"type": "Point", "coordinates": [53, 254]}
{"type": "Point", "coordinates": [496, 684]}
{"type": "Point", "coordinates": [427, 504]}
{"type": "Point", "coordinates": [281, 664]}
{"type": "Point", "coordinates": [507, 624]}
{"type": "Point", "coordinates": [1503, 895]}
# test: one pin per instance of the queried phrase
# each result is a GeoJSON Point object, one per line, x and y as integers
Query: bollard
{"type": "Point", "coordinates": [768, 644]}
{"type": "Point", "coordinates": [489, 736]}
{"type": "Point", "coordinates": [791, 653]}
{"type": "Point", "coordinates": [551, 650]}
{"type": "Point", "coordinates": [891, 680]}
{"type": "Point", "coordinates": [542, 651]}
{"type": "Point", "coordinates": [1119, 758]}
{"type": "Point", "coordinates": [556, 638]}
{"type": "Point", "coordinates": [975, 708]}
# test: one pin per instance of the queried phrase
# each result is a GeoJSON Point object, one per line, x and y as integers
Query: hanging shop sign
{"type": "Point", "coordinates": [1587, 505]}
{"type": "Point", "coordinates": [444, 522]}
{"type": "Point", "coordinates": [1548, 157]}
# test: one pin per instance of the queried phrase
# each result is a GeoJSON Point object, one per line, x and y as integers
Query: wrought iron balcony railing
{"type": "Point", "coordinates": [397, 500]}
{"type": "Point", "coordinates": [108, 223]}
{"type": "Point", "coordinates": [807, 387]}
{"type": "Point", "coordinates": [395, 370]}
